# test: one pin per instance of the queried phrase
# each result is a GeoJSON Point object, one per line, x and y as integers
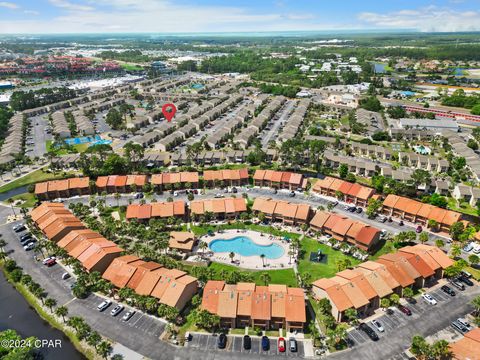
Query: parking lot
{"type": "Point", "coordinates": [392, 322]}
{"type": "Point", "coordinates": [140, 321]}
{"type": "Point", "coordinates": [207, 342]}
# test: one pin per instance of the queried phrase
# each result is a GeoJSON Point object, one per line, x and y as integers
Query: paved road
{"type": "Point", "coordinates": [38, 136]}
{"type": "Point", "coordinates": [399, 329]}
{"type": "Point", "coordinates": [277, 120]}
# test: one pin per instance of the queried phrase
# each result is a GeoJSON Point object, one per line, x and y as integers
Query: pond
{"type": "Point", "coordinates": [16, 314]}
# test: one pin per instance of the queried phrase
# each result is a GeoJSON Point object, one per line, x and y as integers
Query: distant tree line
{"type": "Point", "coordinates": [23, 100]}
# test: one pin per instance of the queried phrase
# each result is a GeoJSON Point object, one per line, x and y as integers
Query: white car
{"type": "Point", "coordinates": [377, 325]}
{"type": "Point", "coordinates": [103, 305]}
{"type": "Point", "coordinates": [29, 246]}
{"type": "Point", "coordinates": [429, 299]}
{"type": "Point", "coordinates": [117, 310]}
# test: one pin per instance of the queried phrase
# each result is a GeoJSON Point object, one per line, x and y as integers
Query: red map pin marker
{"type": "Point", "coordinates": [169, 111]}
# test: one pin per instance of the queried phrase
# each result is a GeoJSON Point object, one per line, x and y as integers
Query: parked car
{"type": "Point", "coordinates": [468, 247]}
{"type": "Point", "coordinates": [247, 342]}
{"type": "Point", "coordinates": [458, 326]}
{"type": "Point", "coordinates": [465, 280]}
{"type": "Point", "coordinates": [117, 310]}
{"type": "Point", "coordinates": [25, 236]}
{"type": "Point", "coordinates": [369, 331]}
{"type": "Point", "coordinates": [29, 246]}
{"type": "Point", "coordinates": [400, 223]}
{"type": "Point", "coordinates": [292, 194]}
{"type": "Point", "coordinates": [405, 310]}
{"type": "Point", "coordinates": [104, 304]}
{"type": "Point", "coordinates": [265, 343]}
{"type": "Point", "coordinates": [292, 344]}
{"type": "Point", "coordinates": [275, 191]}
{"type": "Point", "coordinates": [222, 341]}
{"type": "Point", "coordinates": [419, 229]}
{"type": "Point", "coordinates": [457, 284]}
{"type": "Point", "coordinates": [47, 259]}
{"type": "Point", "coordinates": [383, 219]}
{"type": "Point", "coordinates": [352, 209]}
{"type": "Point", "coordinates": [465, 323]}
{"type": "Point", "coordinates": [26, 240]}
{"type": "Point", "coordinates": [18, 227]}
{"type": "Point", "coordinates": [466, 274]}
{"type": "Point", "coordinates": [429, 299]}
{"type": "Point", "coordinates": [50, 262]}
{"type": "Point", "coordinates": [448, 290]}
{"type": "Point", "coordinates": [218, 195]}
{"type": "Point", "coordinates": [65, 276]}
{"type": "Point", "coordinates": [234, 190]}
{"type": "Point", "coordinates": [359, 210]}
{"type": "Point", "coordinates": [281, 344]}
{"type": "Point", "coordinates": [378, 325]}
{"type": "Point", "coordinates": [390, 311]}
{"type": "Point", "coordinates": [139, 196]}
{"type": "Point", "coordinates": [128, 315]}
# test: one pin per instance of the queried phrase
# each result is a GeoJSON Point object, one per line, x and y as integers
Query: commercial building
{"type": "Point", "coordinates": [247, 304]}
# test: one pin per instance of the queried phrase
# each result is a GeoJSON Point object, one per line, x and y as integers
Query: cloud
{"type": "Point", "coordinates": [31, 12]}
{"type": "Point", "coordinates": [70, 6]}
{"type": "Point", "coordinates": [9, 5]}
{"type": "Point", "coordinates": [430, 18]}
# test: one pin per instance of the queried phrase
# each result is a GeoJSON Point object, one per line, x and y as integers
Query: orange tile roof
{"type": "Point", "coordinates": [191, 177]}
{"type": "Point", "coordinates": [437, 214]}
{"type": "Point", "coordinates": [142, 270]}
{"type": "Point", "coordinates": [196, 207]}
{"type": "Point", "coordinates": [451, 217]}
{"type": "Point", "coordinates": [303, 211]}
{"type": "Point", "coordinates": [425, 210]}
{"type": "Point", "coordinates": [157, 179]}
{"type": "Point", "coordinates": [101, 181]}
{"type": "Point", "coordinates": [277, 176]}
{"type": "Point", "coordinates": [286, 177]}
{"type": "Point", "coordinates": [149, 281]}
{"type": "Point", "coordinates": [398, 273]}
{"type": "Point", "coordinates": [419, 265]}
{"type": "Point", "coordinates": [390, 200]}
{"type": "Point", "coordinates": [132, 211]}
{"type": "Point", "coordinates": [210, 295]}
{"type": "Point", "coordinates": [367, 234]}
{"type": "Point", "coordinates": [336, 184]}
{"type": "Point", "coordinates": [342, 226]}
{"type": "Point", "coordinates": [378, 284]}
{"type": "Point", "coordinates": [259, 174]}
{"type": "Point", "coordinates": [468, 347]}
{"type": "Point", "coordinates": [440, 257]}
{"type": "Point", "coordinates": [227, 302]}
{"type": "Point", "coordinates": [335, 293]}
{"type": "Point", "coordinates": [182, 240]}
{"type": "Point", "coordinates": [79, 183]}
{"type": "Point", "coordinates": [96, 257]}
{"type": "Point", "coordinates": [345, 187]}
{"type": "Point", "coordinates": [122, 269]}
{"type": "Point", "coordinates": [121, 180]}
{"type": "Point", "coordinates": [41, 188]}
{"type": "Point", "coordinates": [261, 303]}
{"type": "Point", "coordinates": [296, 179]}
{"type": "Point", "coordinates": [355, 295]}
{"type": "Point", "coordinates": [400, 260]}
{"type": "Point", "coordinates": [319, 219]}
{"type": "Point", "coordinates": [365, 193]}
{"type": "Point", "coordinates": [145, 211]}
{"type": "Point", "coordinates": [295, 307]}
{"type": "Point", "coordinates": [380, 269]}
{"type": "Point", "coordinates": [111, 180]}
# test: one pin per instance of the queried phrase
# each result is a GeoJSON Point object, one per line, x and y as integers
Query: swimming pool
{"type": "Point", "coordinates": [82, 140]}
{"type": "Point", "coordinates": [245, 246]}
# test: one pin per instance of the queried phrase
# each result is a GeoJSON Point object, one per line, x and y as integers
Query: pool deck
{"type": "Point", "coordinates": [250, 262]}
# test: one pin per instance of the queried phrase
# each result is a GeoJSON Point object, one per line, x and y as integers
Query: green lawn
{"type": "Point", "coordinates": [475, 273]}
{"type": "Point", "coordinates": [386, 248]}
{"type": "Point", "coordinates": [464, 207]}
{"type": "Point", "coordinates": [78, 148]}
{"type": "Point", "coordinates": [319, 270]}
{"type": "Point", "coordinates": [131, 67]}
{"type": "Point", "coordinates": [282, 276]}
{"type": "Point", "coordinates": [32, 178]}
{"type": "Point", "coordinates": [29, 199]}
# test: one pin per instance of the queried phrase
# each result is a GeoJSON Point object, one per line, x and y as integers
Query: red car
{"type": "Point", "coordinates": [281, 344]}
{"type": "Point", "coordinates": [405, 310]}
{"type": "Point", "coordinates": [419, 229]}
{"type": "Point", "coordinates": [50, 262]}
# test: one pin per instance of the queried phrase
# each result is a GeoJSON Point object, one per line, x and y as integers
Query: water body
{"type": "Point", "coordinates": [16, 314]}
{"type": "Point", "coordinates": [245, 246]}
{"type": "Point", "coordinates": [379, 68]}
{"type": "Point", "coordinates": [17, 191]}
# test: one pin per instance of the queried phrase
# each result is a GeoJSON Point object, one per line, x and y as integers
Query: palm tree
{"type": "Point", "coordinates": [476, 305]}
{"type": "Point", "coordinates": [262, 256]}
{"type": "Point", "coordinates": [265, 277]}
{"type": "Point", "coordinates": [456, 251]}
{"type": "Point", "coordinates": [104, 348]}
{"type": "Point", "coordinates": [385, 303]}
{"type": "Point", "coordinates": [62, 311]}
{"type": "Point", "coordinates": [231, 256]}
{"type": "Point", "coordinates": [408, 293]}
{"type": "Point", "coordinates": [394, 299]}
{"type": "Point", "coordinates": [94, 339]}
{"type": "Point", "coordinates": [50, 303]}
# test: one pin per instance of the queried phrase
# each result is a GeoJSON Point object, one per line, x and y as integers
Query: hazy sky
{"type": "Point", "coordinates": [75, 16]}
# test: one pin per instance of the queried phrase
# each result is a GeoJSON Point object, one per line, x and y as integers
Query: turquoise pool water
{"type": "Point", "coordinates": [245, 246]}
